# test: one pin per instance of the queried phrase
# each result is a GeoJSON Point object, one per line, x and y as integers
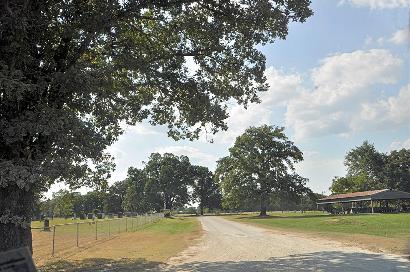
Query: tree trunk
{"type": "Point", "coordinates": [263, 205]}
{"type": "Point", "coordinates": [15, 218]}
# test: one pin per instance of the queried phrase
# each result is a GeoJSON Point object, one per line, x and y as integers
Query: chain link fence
{"type": "Point", "coordinates": [66, 239]}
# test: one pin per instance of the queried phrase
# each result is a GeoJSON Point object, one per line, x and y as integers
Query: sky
{"type": "Point", "coordinates": [338, 79]}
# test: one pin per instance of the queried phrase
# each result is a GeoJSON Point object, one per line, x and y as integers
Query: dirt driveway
{"type": "Point", "coordinates": [231, 246]}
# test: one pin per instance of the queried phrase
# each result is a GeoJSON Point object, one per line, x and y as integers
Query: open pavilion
{"type": "Point", "coordinates": [367, 201]}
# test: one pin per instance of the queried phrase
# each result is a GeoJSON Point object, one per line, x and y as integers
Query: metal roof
{"type": "Point", "coordinates": [385, 194]}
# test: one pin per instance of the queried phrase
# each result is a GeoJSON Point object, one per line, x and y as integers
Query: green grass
{"type": "Point", "coordinates": [174, 225]}
{"type": "Point", "coordinates": [386, 225]}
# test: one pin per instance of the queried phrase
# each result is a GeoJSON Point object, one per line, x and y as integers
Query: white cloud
{"type": "Point", "coordinates": [282, 89]}
{"type": "Point", "coordinates": [342, 83]}
{"type": "Point", "coordinates": [401, 36]}
{"type": "Point", "coordinates": [392, 111]}
{"type": "Point", "coordinates": [397, 145]}
{"type": "Point", "coordinates": [194, 154]}
{"type": "Point", "coordinates": [379, 4]}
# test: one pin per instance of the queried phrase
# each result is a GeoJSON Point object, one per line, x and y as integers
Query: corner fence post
{"type": "Point", "coordinates": [54, 238]}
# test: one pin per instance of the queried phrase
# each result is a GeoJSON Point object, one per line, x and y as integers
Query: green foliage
{"type": "Point", "coordinates": [168, 179]}
{"type": "Point", "coordinates": [349, 184]}
{"type": "Point", "coordinates": [63, 203]}
{"type": "Point", "coordinates": [369, 169]}
{"type": "Point", "coordinates": [260, 163]}
{"type": "Point", "coordinates": [135, 199]}
{"type": "Point", "coordinates": [72, 71]}
{"type": "Point", "coordinates": [397, 170]}
{"type": "Point", "coordinates": [367, 162]}
{"type": "Point", "coordinates": [205, 190]}
{"type": "Point", "coordinates": [115, 197]}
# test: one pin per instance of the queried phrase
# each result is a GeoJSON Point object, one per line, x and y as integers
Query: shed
{"type": "Point", "coordinates": [385, 195]}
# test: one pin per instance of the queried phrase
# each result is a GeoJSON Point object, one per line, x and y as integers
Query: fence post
{"type": "Point", "coordinates": [77, 233]}
{"type": "Point", "coordinates": [132, 223]}
{"type": "Point", "coordinates": [119, 226]}
{"type": "Point", "coordinates": [54, 238]}
{"type": "Point", "coordinates": [126, 224]}
{"type": "Point", "coordinates": [96, 230]}
{"type": "Point", "coordinates": [109, 228]}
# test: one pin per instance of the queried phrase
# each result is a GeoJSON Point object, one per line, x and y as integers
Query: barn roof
{"type": "Point", "coordinates": [385, 194]}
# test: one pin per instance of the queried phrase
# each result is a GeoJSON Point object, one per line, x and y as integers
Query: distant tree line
{"type": "Point", "coordinates": [166, 182]}
{"type": "Point", "coordinates": [257, 175]}
{"type": "Point", "coordinates": [369, 169]}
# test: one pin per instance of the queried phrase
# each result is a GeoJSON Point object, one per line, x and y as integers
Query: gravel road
{"type": "Point", "coordinates": [231, 246]}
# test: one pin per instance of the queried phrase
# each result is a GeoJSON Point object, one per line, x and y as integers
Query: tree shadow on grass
{"type": "Point", "coordinates": [334, 261]}
{"type": "Point", "coordinates": [101, 264]}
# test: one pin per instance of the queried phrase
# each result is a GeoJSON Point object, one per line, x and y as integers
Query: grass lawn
{"type": "Point", "coordinates": [147, 247]}
{"type": "Point", "coordinates": [378, 231]}
{"type": "Point", "coordinates": [386, 225]}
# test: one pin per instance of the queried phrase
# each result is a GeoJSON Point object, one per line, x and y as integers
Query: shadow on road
{"type": "Point", "coordinates": [334, 261]}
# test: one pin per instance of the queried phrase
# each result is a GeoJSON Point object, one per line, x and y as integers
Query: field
{"type": "Point", "coordinates": [378, 231]}
{"type": "Point", "coordinates": [148, 246]}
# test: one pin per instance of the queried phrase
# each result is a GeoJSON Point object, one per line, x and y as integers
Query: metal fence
{"type": "Point", "coordinates": [68, 238]}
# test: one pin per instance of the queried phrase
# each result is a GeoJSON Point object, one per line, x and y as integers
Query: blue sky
{"type": "Point", "coordinates": [340, 78]}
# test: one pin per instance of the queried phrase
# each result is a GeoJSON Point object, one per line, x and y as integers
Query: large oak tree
{"type": "Point", "coordinates": [205, 189]}
{"type": "Point", "coordinates": [168, 179]}
{"type": "Point", "coordinates": [71, 72]}
{"type": "Point", "coordinates": [260, 165]}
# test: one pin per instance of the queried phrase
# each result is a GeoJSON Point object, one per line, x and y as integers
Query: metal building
{"type": "Point", "coordinates": [368, 201]}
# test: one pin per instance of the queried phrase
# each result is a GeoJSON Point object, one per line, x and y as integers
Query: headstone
{"type": "Point", "coordinates": [167, 213]}
{"type": "Point", "coordinates": [82, 216]}
{"type": "Point", "coordinates": [17, 260]}
{"type": "Point", "coordinates": [100, 215]}
{"type": "Point", "coordinates": [90, 216]}
{"type": "Point", "coordinates": [128, 214]}
{"type": "Point", "coordinates": [46, 225]}
{"type": "Point", "coordinates": [120, 215]}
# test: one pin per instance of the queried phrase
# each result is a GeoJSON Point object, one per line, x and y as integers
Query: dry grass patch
{"type": "Point", "coordinates": [147, 248]}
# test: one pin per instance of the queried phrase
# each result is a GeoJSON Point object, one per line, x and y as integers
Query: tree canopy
{"type": "Point", "coordinates": [260, 163]}
{"type": "Point", "coordinates": [135, 199]}
{"type": "Point", "coordinates": [168, 179]}
{"type": "Point", "coordinates": [72, 72]}
{"type": "Point", "coordinates": [369, 169]}
{"type": "Point", "coordinates": [205, 190]}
